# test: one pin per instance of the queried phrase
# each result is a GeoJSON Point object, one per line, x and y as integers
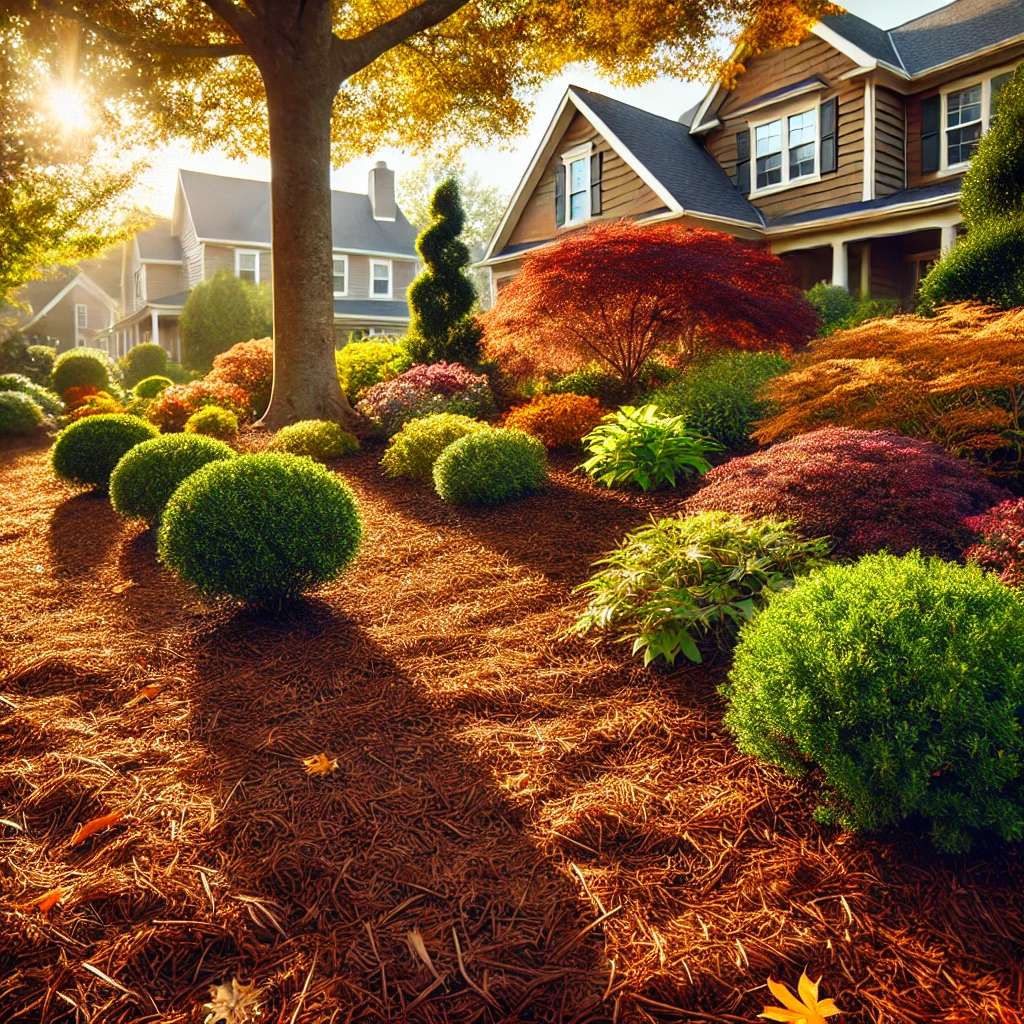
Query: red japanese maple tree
{"type": "Point", "coordinates": [621, 291]}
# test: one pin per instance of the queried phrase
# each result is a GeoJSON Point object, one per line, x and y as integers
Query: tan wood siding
{"type": "Point", "coordinates": [266, 266]}
{"type": "Point", "coordinates": [402, 274]}
{"type": "Point", "coordinates": [163, 280]}
{"type": "Point", "coordinates": [359, 276]}
{"type": "Point", "coordinates": [890, 142]}
{"type": "Point", "coordinates": [623, 191]}
{"type": "Point", "coordinates": [218, 257]}
{"type": "Point", "coordinates": [191, 254]}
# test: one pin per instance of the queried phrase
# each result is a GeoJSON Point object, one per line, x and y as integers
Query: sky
{"type": "Point", "coordinates": [501, 165]}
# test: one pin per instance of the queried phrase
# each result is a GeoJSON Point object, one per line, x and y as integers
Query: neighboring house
{"type": "Point", "coordinates": [74, 305]}
{"type": "Point", "coordinates": [222, 223]}
{"type": "Point", "coordinates": [845, 154]}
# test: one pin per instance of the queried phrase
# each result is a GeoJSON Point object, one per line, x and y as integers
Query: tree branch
{"type": "Point", "coordinates": [215, 50]}
{"type": "Point", "coordinates": [352, 55]}
{"type": "Point", "coordinates": [239, 19]}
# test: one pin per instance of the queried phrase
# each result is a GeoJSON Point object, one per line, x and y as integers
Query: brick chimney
{"type": "Point", "coordinates": [382, 192]}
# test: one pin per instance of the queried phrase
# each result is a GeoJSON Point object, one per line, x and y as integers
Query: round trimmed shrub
{"type": "Point", "coordinates": [19, 414]}
{"type": "Point", "coordinates": [316, 439]}
{"type": "Point", "coordinates": [490, 466]}
{"type": "Point", "coordinates": [144, 480]}
{"type": "Point", "coordinates": [361, 364]}
{"type": "Point", "coordinates": [213, 421]}
{"type": "Point", "coordinates": [150, 387]}
{"type": "Point", "coordinates": [87, 451]}
{"type": "Point", "coordinates": [81, 368]}
{"type": "Point", "coordinates": [413, 451]}
{"type": "Point", "coordinates": [260, 528]}
{"type": "Point", "coordinates": [560, 421]}
{"type": "Point", "coordinates": [43, 397]}
{"type": "Point", "coordinates": [902, 681]}
{"type": "Point", "coordinates": [142, 361]}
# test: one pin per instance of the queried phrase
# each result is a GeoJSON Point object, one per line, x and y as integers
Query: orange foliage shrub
{"type": "Point", "coordinates": [956, 379]}
{"type": "Point", "coordinates": [248, 365]}
{"type": "Point", "coordinates": [560, 421]}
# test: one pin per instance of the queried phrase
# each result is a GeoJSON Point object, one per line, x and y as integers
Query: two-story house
{"type": "Point", "coordinates": [845, 154]}
{"type": "Point", "coordinates": [221, 223]}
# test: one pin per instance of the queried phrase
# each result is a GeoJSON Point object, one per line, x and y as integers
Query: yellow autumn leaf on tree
{"type": "Point", "coordinates": [320, 764]}
{"type": "Point", "coordinates": [805, 1010]}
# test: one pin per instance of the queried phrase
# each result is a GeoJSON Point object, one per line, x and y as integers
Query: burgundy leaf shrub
{"type": "Point", "coordinates": [868, 489]}
{"type": "Point", "coordinates": [999, 543]}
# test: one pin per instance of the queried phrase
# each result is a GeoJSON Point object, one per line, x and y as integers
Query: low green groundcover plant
{"type": "Point", "coordinates": [902, 681]}
{"type": "Point", "coordinates": [490, 466]}
{"type": "Point", "coordinates": [413, 451]}
{"type": "Point", "coordinates": [50, 403]}
{"type": "Point", "coordinates": [718, 398]}
{"type": "Point", "coordinates": [637, 445]}
{"type": "Point", "coordinates": [87, 451]}
{"type": "Point", "coordinates": [260, 528]}
{"type": "Point", "coordinates": [678, 584]}
{"type": "Point", "coordinates": [82, 368]}
{"type": "Point", "coordinates": [316, 439]}
{"type": "Point", "coordinates": [150, 387]}
{"type": "Point", "coordinates": [213, 421]}
{"type": "Point", "coordinates": [144, 480]}
{"type": "Point", "coordinates": [19, 414]}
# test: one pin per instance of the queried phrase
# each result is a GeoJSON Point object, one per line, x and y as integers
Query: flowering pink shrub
{"type": "Point", "coordinates": [999, 543]}
{"type": "Point", "coordinates": [870, 490]}
{"type": "Point", "coordinates": [174, 405]}
{"type": "Point", "coordinates": [421, 390]}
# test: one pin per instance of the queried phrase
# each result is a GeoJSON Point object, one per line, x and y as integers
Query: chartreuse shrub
{"type": "Point", "coordinates": [18, 413]}
{"type": "Point", "coordinates": [901, 680]}
{"type": "Point", "coordinates": [50, 403]}
{"type": "Point", "coordinates": [83, 367]}
{"type": "Point", "coordinates": [142, 361]}
{"type": "Point", "coordinates": [213, 421]}
{"type": "Point", "coordinates": [260, 528]}
{"type": "Point", "coordinates": [719, 398]}
{"type": "Point", "coordinates": [639, 446]}
{"type": "Point", "coordinates": [361, 364]}
{"type": "Point", "coordinates": [490, 466]}
{"type": "Point", "coordinates": [679, 584]}
{"type": "Point", "coordinates": [144, 480]}
{"type": "Point", "coordinates": [150, 387]}
{"type": "Point", "coordinates": [413, 451]}
{"type": "Point", "coordinates": [560, 421]}
{"type": "Point", "coordinates": [316, 439]}
{"type": "Point", "coordinates": [87, 451]}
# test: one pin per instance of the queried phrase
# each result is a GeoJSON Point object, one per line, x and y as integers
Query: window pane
{"type": "Point", "coordinates": [962, 143]}
{"type": "Point", "coordinates": [339, 275]}
{"type": "Point", "coordinates": [247, 266]}
{"type": "Point", "coordinates": [801, 161]}
{"type": "Point", "coordinates": [768, 138]}
{"type": "Point", "coordinates": [577, 206]}
{"type": "Point", "coordinates": [769, 170]}
{"type": "Point", "coordinates": [381, 279]}
{"type": "Point", "coordinates": [577, 175]}
{"type": "Point", "coordinates": [963, 107]}
{"type": "Point", "coordinates": [801, 129]}
{"type": "Point", "coordinates": [998, 84]}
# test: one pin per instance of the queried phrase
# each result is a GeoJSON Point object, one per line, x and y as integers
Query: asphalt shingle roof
{"type": "Point", "coordinates": [371, 308]}
{"type": "Point", "coordinates": [157, 242]}
{"type": "Point", "coordinates": [238, 210]}
{"type": "Point", "coordinates": [870, 38]}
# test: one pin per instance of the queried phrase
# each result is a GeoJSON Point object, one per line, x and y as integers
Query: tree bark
{"type": "Point", "coordinates": [296, 71]}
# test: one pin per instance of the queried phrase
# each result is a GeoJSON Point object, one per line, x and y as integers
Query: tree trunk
{"type": "Point", "coordinates": [300, 95]}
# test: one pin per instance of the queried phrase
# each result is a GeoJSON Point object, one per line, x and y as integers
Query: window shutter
{"type": "Point", "coordinates": [596, 164]}
{"type": "Point", "coordinates": [560, 195]}
{"type": "Point", "coordinates": [931, 119]}
{"type": "Point", "coordinates": [742, 177]}
{"type": "Point", "coordinates": [829, 135]}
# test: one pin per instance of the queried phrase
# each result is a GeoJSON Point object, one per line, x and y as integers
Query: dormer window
{"type": "Point", "coordinates": [786, 150]}
{"type": "Point", "coordinates": [578, 185]}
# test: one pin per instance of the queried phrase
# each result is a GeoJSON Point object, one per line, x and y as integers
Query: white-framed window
{"type": "Point", "coordinates": [81, 315]}
{"type": "Point", "coordinates": [247, 265]}
{"type": "Point", "coordinates": [786, 150]}
{"type": "Point", "coordinates": [140, 285]}
{"type": "Point", "coordinates": [340, 276]}
{"type": "Point", "coordinates": [577, 183]}
{"type": "Point", "coordinates": [967, 111]}
{"type": "Point", "coordinates": [380, 279]}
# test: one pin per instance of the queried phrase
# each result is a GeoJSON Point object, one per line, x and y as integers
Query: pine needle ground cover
{"type": "Point", "coordinates": [505, 825]}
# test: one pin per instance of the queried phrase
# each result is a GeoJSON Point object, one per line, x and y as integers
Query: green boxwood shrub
{"type": "Point", "coordinates": [87, 451]}
{"type": "Point", "coordinates": [834, 305]}
{"type": "Point", "coordinates": [413, 451]}
{"type": "Point", "coordinates": [50, 403]}
{"type": "Point", "coordinates": [82, 368]}
{"type": "Point", "coordinates": [142, 361]}
{"type": "Point", "coordinates": [144, 480]}
{"type": "Point", "coordinates": [590, 381]}
{"type": "Point", "coordinates": [718, 398]}
{"type": "Point", "coordinates": [260, 528]}
{"type": "Point", "coordinates": [361, 364]}
{"type": "Point", "coordinates": [150, 387]}
{"type": "Point", "coordinates": [316, 439]}
{"type": "Point", "coordinates": [213, 421]}
{"type": "Point", "coordinates": [490, 466]}
{"type": "Point", "coordinates": [678, 583]}
{"type": "Point", "coordinates": [39, 360]}
{"type": "Point", "coordinates": [902, 681]}
{"type": "Point", "coordinates": [19, 414]}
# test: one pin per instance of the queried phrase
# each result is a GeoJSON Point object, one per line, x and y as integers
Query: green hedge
{"type": "Point", "coordinates": [82, 368]}
{"type": "Point", "coordinates": [490, 466]}
{"type": "Point", "coordinates": [87, 451]}
{"type": "Point", "coordinates": [18, 414]}
{"type": "Point", "coordinates": [316, 439]}
{"type": "Point", "coordinates": [413, 451]}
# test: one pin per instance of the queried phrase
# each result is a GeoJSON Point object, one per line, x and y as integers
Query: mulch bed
{"type": "Point", "coordinates": [521, 827]}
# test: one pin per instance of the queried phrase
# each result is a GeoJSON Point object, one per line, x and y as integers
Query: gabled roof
{"type": "Point", "coordinates": [43, 294]}
{"type": "Point", "coordinates": [873, 40]}
{"type": "Point", "coordinates": [157, 243]}
{"type": "Point", "coordinates": [237, 210]}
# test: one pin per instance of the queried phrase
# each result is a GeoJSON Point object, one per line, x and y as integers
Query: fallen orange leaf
{"type": "Point", "coordinates": [49, 900]}
{"type": "Point", "coordinates": [808, 1009]}
{"type": "Point", "coordinates": [120, 588]}
{"type": "Point", "coordinates": [319, 764]}
{"type": "Point", "coordinates": [146, 693]}
{"type": "Point", "coordinates": [90, 828]}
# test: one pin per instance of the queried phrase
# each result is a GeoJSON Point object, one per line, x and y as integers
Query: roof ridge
{"type": "Point", "coordinates": [263, 181]}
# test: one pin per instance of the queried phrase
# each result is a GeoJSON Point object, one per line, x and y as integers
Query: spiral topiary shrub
{"type": "Point", "coordinates": [145, 360]}
{"type": "Point", "coordinates": [19, 414]}
{"type": "Point", "coordinates": [83, 367]}
{"type": "Point", "coordinates": [260, 528]}
{"type": "Point", "coordinates": [43, 397]}
{"type": "Point", "coordinates": [150, 387]}
{"type": "Point", "coordinates": [413, 451]}
{"type": "Point", "coordinates": [902, 681]}
{"type": "Point", "coordinates": [87, 451]}
{"type": "Point", "coordinates": [144, 480]}
{"type": "Point", "coordinates": [316, 439]}
{"type": "Point", "coordinates": [213, 421]}
{"type": "Point", "coordinates": [490, 466]}
{"type": "Point", "coordinates": [560, 421]}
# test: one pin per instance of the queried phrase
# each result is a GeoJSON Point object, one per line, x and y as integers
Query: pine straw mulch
{"type": "Point", "coordinates": [563, 835]}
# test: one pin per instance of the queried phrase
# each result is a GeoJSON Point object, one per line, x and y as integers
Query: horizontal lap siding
{"type": "Point", "coordinates": [218, 257]}
{"type": "Point", "coordinates": [890, 133]}
{"type": "Point", "coordinates": [162, 280]}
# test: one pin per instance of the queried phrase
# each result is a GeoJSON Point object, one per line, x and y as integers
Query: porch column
{"type": "Point", "coordinates": [156, 326]}
{"type": "Point", "coordinates": [948, 238]}
{"type": "Point", "coordinates": [840, 265]}
{"type": "Point", "coordinates": [865, 270]}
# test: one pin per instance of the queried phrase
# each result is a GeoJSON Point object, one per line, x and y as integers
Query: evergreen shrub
{"type": "Point", "coordinates": [150, 387]}
{"type": "Point", "coordinates": [145, 360]}
{"type": "Point", "coordinates": [83, 367]}
{"type": "Point", "coordinates": [486, 467]}
{"type": "Point", "coordinates": [87, 451]}
{"type": "Point", "coordinates": [19, 414]}
{"type": "Point", "coordinates": [361, 364]}
{"type": "Point", "coordinates": [316, 439]}
{"type": "Point", "coordinates": [213, 421]}
{"type": "Point", "coordinates": [413, 451]}
{"type": "Point", "coordinates": [49, 402]}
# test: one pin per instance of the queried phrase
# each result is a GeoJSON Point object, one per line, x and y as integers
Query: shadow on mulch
{"type": "Point", "coordinates": [83, 530]}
